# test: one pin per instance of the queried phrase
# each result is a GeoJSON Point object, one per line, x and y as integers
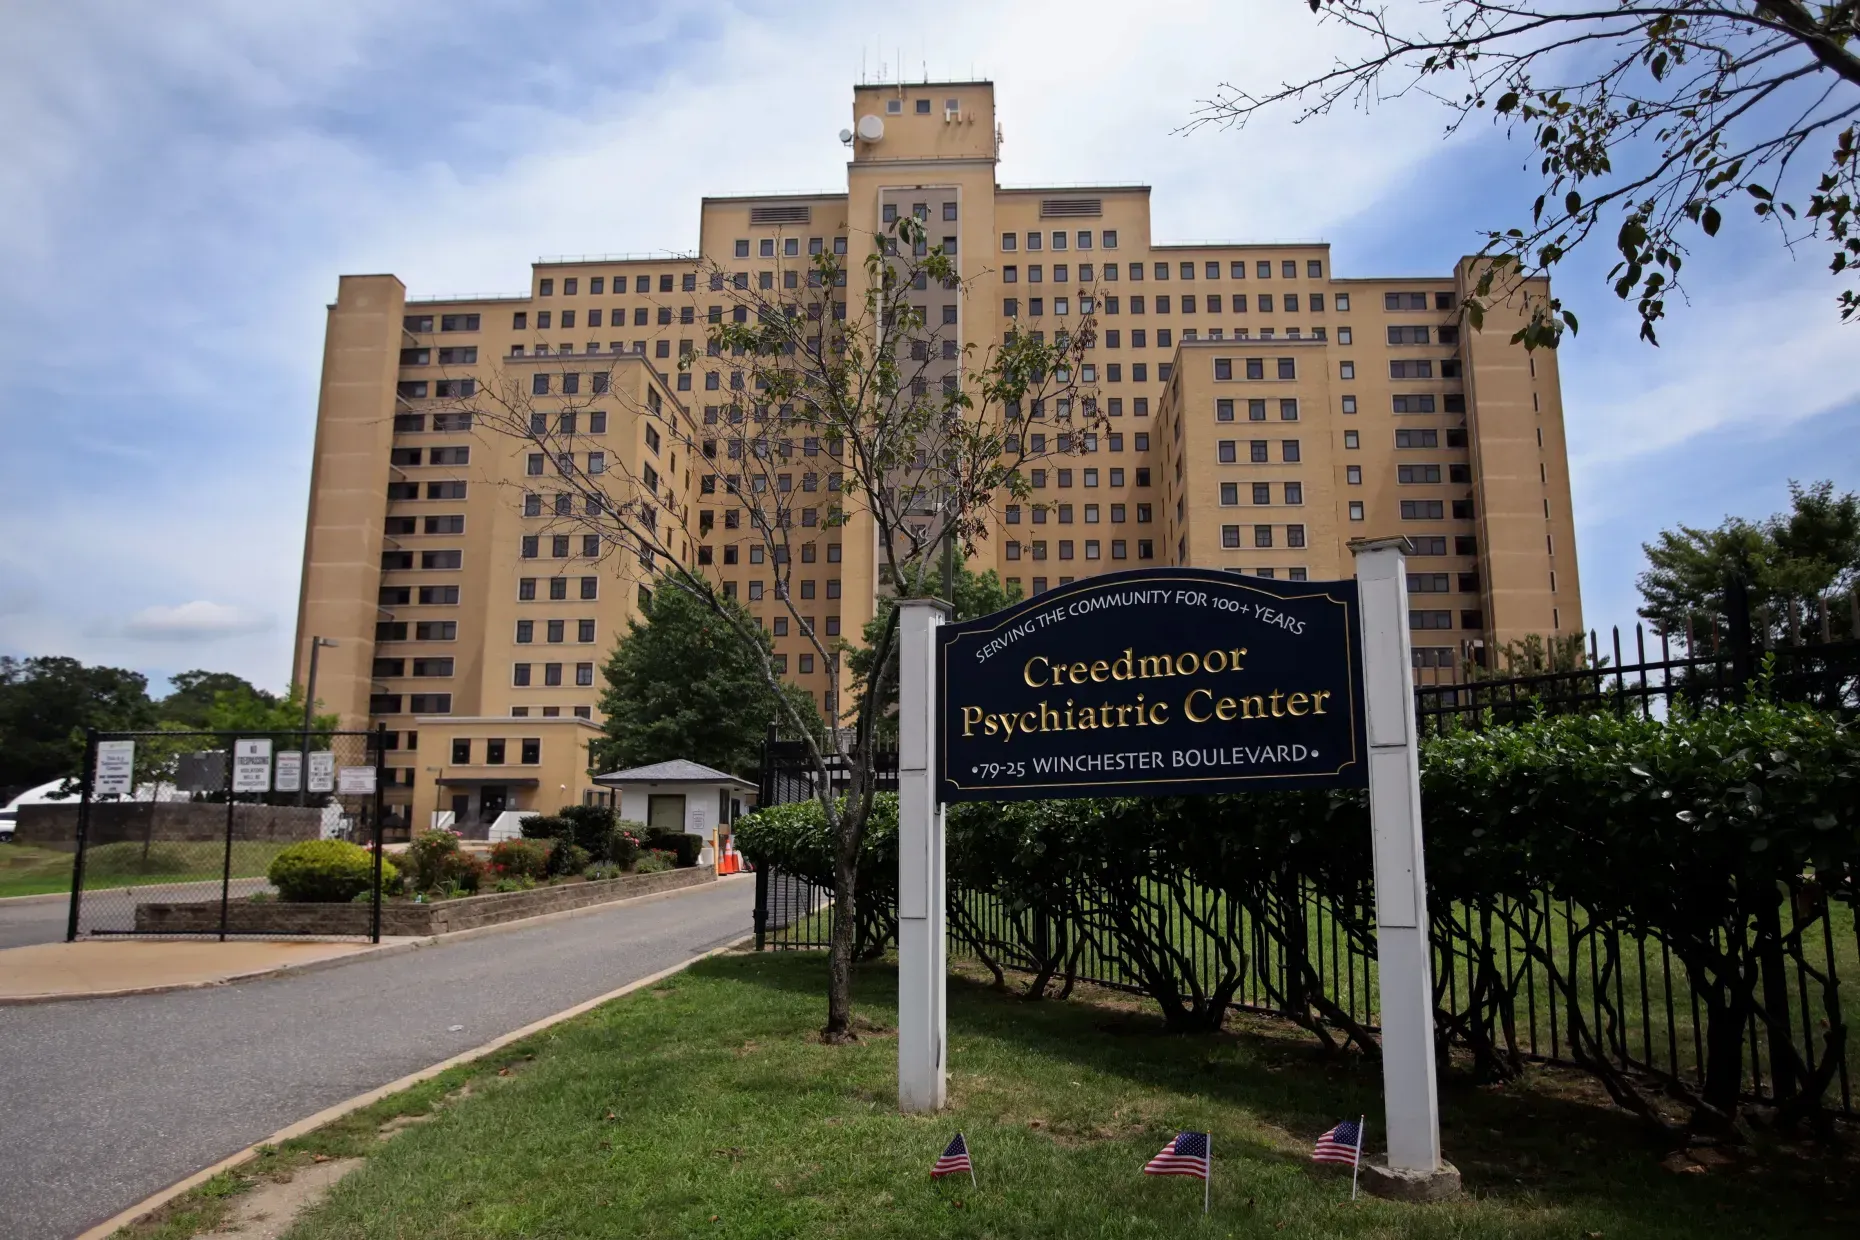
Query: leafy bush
{"type": "Point", "coordinates": [525, 858]}
{"type": "Point", "coordinates": [655, 863]}
{"type": "Point", "coordinates": [797, 839]}
{"type": "Point", "coordinates": [463, 875]}
{"type": "Point", "coordinates": [683, 845]}
{"type": "Point", "coordinates": [566, 859]}
{"type": "Point", "coordinates": [429, 857]}
{"type": "Point", "coordinates": [514, 882]}
{"type": "Point", "coordinates": [602, 870]}
{"type": "Point", "coordinates": [627, 842]}
{"type": "Point", "coordinates": [326, 872]}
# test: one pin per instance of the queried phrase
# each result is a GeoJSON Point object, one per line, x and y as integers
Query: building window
{"type": "Point", "coordinates": [1262, 536]}
{"type": "Point", "coordinates": [1356, 510]}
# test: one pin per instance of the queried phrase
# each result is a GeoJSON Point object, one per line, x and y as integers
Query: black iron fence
{"type": "Point", "coordinates": [178, 828]}
{"type": "Point", "coordinates": [1515, 979]}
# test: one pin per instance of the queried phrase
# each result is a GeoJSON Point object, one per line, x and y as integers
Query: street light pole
{"type": "Point", "coordinates": [303, 770]}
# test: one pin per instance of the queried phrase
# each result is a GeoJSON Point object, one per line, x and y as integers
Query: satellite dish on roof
{"type": "Point", "coordinates": [871, 128]}
{"type": "Point", "coordinates": [846, 137]}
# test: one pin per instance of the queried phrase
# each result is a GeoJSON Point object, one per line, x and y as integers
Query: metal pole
{"type": "Point", "coordinates": [922, 908]}
{"type": "Point", "coordinates": [231, 743]}
{"type": "Point", "coordinates": [380, 743]}
{"type": "Point", "coordinates": [83, 831]}
{"type": "Point", "coordinates": [1406, 985]}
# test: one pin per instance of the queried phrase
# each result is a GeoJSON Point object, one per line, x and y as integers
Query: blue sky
{"type": "Point", "coordinates": [183, 187]}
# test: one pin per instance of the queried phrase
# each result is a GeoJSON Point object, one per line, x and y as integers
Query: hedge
{"type": "Point", "coordinates": [327, 872]}
{"type": "Point", "coordinates": [1697, 832]}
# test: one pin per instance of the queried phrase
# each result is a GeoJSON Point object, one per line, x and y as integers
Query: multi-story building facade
{"type": "Point", "coordinates": [1259, 411]}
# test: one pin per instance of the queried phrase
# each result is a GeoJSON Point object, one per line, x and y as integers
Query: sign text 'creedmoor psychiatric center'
{"type": "Point", "coordinates": [1166, 682]}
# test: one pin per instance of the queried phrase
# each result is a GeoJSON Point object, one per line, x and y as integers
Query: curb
{"type": "Point", "coordinates": [327, 1115]}
{"type": "Point", "coordinates": [371, 952]}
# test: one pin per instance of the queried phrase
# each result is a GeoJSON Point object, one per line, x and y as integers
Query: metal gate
{"type": "Point", "coordinates": [175, 831]}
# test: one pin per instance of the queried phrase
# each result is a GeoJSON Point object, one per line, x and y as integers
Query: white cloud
{"type": "Point", "coordinates": [237, 158]}
{"type": "Point", "coordinates": [195, 621]}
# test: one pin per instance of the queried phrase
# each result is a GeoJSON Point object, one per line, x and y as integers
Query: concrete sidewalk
{"type": "Point", "coordinates": [95, 968]}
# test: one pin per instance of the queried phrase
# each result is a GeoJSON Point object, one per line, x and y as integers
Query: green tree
{"type": "Point", "coordinates": [192, 695]}
{"type": "Point", "coordinates": [1793, 562]}
{"type": "Point", "coordinates": [1648, 118]}
{"type": "Point", "coordinates": [976, 594]}
{"type": "Point", "coordinates": [684, 685]}
{"type": "Point", "coordinates": [45, 705]}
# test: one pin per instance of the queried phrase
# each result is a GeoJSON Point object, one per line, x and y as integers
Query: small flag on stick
{"type": "Point", "coordinates": [1188, 1153]}
{"type": "Point", "coordinates": [955, 1158]}
{"type": "Point", "coordinates": [1342, 1144]}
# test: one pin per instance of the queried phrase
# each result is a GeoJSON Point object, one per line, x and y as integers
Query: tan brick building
{"type": "Point", "coordinates": [1260, 411]}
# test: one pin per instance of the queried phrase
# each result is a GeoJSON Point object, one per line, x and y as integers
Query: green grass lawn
{"type": "Point", "coordinates": [707, 1106]}
{"type": "Point", "coordinates": [28, 870]}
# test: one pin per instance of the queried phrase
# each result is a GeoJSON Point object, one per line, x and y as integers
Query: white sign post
{"type": "Point", "coordinates": [1415, 1169]}
{"type": "Point", "coordinates": [290, 772]}
{"type": "Point", "coordinates": [322, 771]}
{"type": "Point", "coordinates": [922, 944]}
{"type": "Point", "coordinates": [251, 766]}
{"type": "Point", "coordinates": [116, 769]}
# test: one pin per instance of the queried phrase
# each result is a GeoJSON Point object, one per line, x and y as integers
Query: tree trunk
{"type": "Point", "coordinates": [845, 931]}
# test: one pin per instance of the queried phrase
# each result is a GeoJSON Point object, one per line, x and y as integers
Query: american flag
{"type": "Point", "coordinates": [1341, 1144]}
{"type": "Point", "coordinates": [955, 1158]}
{"type": "Point", "coordinates": [1186, 1154]}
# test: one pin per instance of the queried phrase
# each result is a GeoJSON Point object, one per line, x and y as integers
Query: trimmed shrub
{"type": "Point", "coordinates": [628, 840]}
{"type": "Point", "coordinates": [683, 846]}
{"type": "Point", "coordinates": [526, 858]}
{"type": "Point", "coordinates": [326, 872]}
{"type": "Point", "coordinates": [654, 863]}
{"type": "Point", "coordinates": [464, 873]}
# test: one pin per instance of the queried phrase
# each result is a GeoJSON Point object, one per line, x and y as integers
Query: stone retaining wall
{"type": "Point", "coordinates": [400, 918]}
{"type": "Point", "coordinates": [140, 822]}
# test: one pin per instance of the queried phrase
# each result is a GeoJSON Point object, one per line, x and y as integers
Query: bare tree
{"type": "Point", "coordinates": [1653, 114]}
{"type": "Point", "coordinates": [827, 419]}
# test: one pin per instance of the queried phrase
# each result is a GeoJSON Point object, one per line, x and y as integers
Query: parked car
{"type": "Point", "coordinates": [42, 795]}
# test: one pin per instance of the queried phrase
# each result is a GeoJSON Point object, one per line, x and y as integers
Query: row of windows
{"type": "Point", "coordinates": [413, 457]}
{"type": "Point", "coordinates": [1255, 367]}
{"type": "Point", "coordinates": [464, 355]}
{"type": "Point", "coordinates": [557, 588]}
{"type": "Point", "coordinates": [597, 285]}
{"type": "Point", "coordinates": [1256, 410]}
{"type": "Point", "coordinates": [415, 423]}
{"type": "Point", "coordinates": [1469, 619]}
{"type": "Point", "coordinates": [1228, 451]}
{"type": "Point", "coordinates": [559, 544]}
{"type": "Point", "coordinates": [422, 323]}
{"type": "Point", "coordinates": [418, 389]}
{"type": "Point", "coordinates": [401, 526]}
{"type": "Point", "coordinates": [495, 750]}
{"type": "Point", "coordinates": [1263, 536]}
{"type": "Point", "coordinates": [434, 490]}
{"type": "Point", "coordinates": [1136, 303]}
{"type": "Point", "coordinates": [521, 674]}
{"type": "Point", "coordinates": [564, 463]}
{"type": "Point", "coordinates": [422, 630]}
{"type": "Point", "coordinates": [1443, 583]}
{"type": "Point", "coordinates": [413, 704]}
{"type": "Point", "coordinates": [1294, 493]}
{"type": "Point", "coordinates": [444, 560]}
{"type": "Point", "coordinates": [1093, 549]}
{"type": "Point", "coordinates": [386, 668]}
{"type": "Point", "coordinates": [429, 596]}
{"type": "Point", "coordinates": [1038, 478]}
{"type": "Point", "coordinates": [1063, 513]}
{"type": "Point", "coordinates": [554, 631]}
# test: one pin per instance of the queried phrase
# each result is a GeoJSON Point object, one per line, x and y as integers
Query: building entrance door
{"type": "Point", "coordinates": [665, 811]}
{"type": "Point", "coordinates": [491, 802]}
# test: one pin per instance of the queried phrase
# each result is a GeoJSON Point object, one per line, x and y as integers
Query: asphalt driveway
{"type": "Point", "coordinates": [108, 1100]}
